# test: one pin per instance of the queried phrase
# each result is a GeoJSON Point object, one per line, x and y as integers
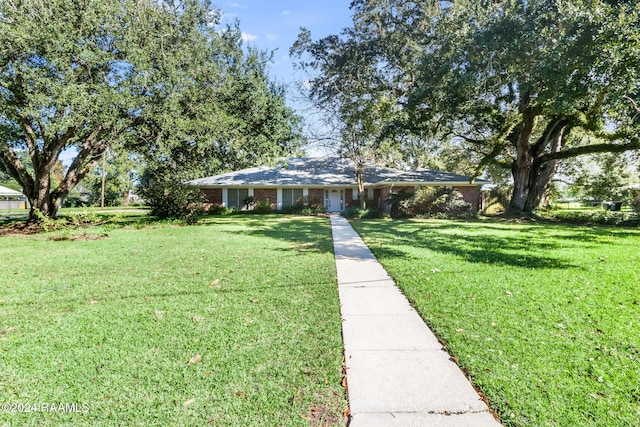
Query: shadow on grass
{"type": "Point", "coordinates": [64, 297]}
{"type": "Point", "coordinates": [526, 247]}
{"type": "Point", "coordinates": [304, 234]}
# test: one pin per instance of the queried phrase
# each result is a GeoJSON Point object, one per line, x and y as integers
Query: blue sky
{"type": "Point", "coordinates": [275, 24]}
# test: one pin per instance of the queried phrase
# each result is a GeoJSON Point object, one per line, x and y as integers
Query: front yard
{"type": "Point", "coordinates": [545, 318]}
{"type": "Point", "coordinates": [234, 322]}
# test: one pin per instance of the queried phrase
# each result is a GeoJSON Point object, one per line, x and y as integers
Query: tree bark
{"type": "Point", "coordinates": [532, 172]}
{"type": "Point", "coordinates": [362, 197]}
{"type": "Point", "coordinates": [521, 168]}
{"type": "Point", "coordinates": [543, 171]}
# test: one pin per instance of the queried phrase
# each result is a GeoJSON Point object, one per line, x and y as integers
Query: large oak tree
{"type": "Point", "coordinates": [161, 78]}
{"type": "Point", "coordinates": [506, 79]}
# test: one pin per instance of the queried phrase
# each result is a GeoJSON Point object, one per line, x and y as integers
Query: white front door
{"type": "Point", "coordinates": [334, 201]}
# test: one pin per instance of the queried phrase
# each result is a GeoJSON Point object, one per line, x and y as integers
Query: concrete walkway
{"type": "Point", "coordinates": [398, 374]}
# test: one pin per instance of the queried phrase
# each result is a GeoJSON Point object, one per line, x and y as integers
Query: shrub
{"type": "Point", "coordinates": [294, 209]}
{"type": "Point", "coordinates": [305, 206]}
{"type": "Point", "coordinates": [451, 202]}
{"type": "Point", "coordinates": [219, 210]}
{"type": "Point", "coordinates": [438, 202]}
{"type": "Point", "coordinates": [357, 213]}
{"type": "Point", "coordinates": [262, 207]}
{"type": "Point", "coordinates": [400, 204]}
{"type": "Point", "coordinates": [624, 219]}
{"type": "Point", "coordinates": [169, 199]}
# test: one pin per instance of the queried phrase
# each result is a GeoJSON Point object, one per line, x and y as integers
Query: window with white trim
{"type": "Point", "coordinates": [291, 196]}
{"type": "Point", "coordinates": [236, 197]}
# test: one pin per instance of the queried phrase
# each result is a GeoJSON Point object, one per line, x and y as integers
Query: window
{"type": "Point", "coordinates": [291, 196]}
{"type": "Point", "coordinates": [235, 197]}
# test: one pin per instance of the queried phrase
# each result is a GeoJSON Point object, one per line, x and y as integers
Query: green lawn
{"type": "Point", "coordinates": [233, 322]}
{"type": "Point", "coordinates": [545, 318]}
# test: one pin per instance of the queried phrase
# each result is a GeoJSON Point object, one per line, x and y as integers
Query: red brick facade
{"type": "Point", "coordinates": [212, 197]}
{"type": "Point", "coordinates": [316, 196]}
{"type": "Point", "coordinates": [348, 199]}
{"type": "Point", "coordinates": [471, 195]}
{"type": "Point", "coordinates": [264, 194]}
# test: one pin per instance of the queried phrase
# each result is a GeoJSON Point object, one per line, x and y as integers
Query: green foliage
{"type": "Point", "coordinates": [156, 78]}
{"type": "Point", "coordinates": [49, 224]}
{"type": "Point", "coordinates": [219, 210]}
{"type": "Point", "coordinates": [262, 207]}
{"type": "Point", "coordinates": [603, 177]}
{"type": "Point", "coordinates": [591, 217]}
{"type": "Point", "coordinates": [429, 201]}
{"type": "Point", "coordinates": [169, 198]}
{"type": "Point", "coordinates": [505, 83]}
{"type": "Point", "coordinates": [354, 212]}
{"type": "Point", "coordinates": [122, 172]}
{"type": "Point", "coordinates": [304, 207]}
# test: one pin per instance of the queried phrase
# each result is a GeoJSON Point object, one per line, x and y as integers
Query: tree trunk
{"type": "Point", "coordinates": [359, 171]}
{"type": "Point", "coordinates": [539, 186]}
{"type": "Point", "coordinates": [521, 168]}
{"type": "Point", "coordinates": [362, 196]}
{"type": "Point", "coordinates": [521, 178]}
{"type": "Point", "coordinates": [531, 174]}
{"type": "Point", "coordinates": [542, 172]}
{"type": "Point", "coordinates": [40, 197]}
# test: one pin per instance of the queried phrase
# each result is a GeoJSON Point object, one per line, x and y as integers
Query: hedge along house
{"type": "Point", "coordinates": [325, 182]}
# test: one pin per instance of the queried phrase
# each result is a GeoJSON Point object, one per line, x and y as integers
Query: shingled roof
{"type": "Point", "coordinates": [326, 172]}
{"type": "Point", "coordinates": [7, 192]}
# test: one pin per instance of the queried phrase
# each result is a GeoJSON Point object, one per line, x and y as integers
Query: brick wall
{"type": "Point", "coordinates": [348, 198]}
{"type": "Point", "coordinates": [264, 194]}
{"type": "Point", "coordinates": [212, 196]}
{"type": "Point", "coordinates": [470, 194]}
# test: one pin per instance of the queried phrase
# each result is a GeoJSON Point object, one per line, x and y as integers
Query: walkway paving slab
{"type": "Point", "coordinates": [398, 374]}
{"type": "Point", "coordinates": [389, 332]}
{"type": "Point", "coordinates": [379, 300]}
{"type": "Point", "coordinates": [408, 381]}
{"type": "Point", "coordinates": [482, 419]}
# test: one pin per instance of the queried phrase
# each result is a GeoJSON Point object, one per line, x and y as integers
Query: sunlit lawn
{"type": "Point", "coordinates": [545, 318]}
{"type": "Point", "coordinates": [234, 322]}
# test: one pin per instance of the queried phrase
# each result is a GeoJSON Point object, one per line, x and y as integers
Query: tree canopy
{"type": "Point", "coordinates": [507, 80]}
{"type": "Point", "coordinates": [160, 78]}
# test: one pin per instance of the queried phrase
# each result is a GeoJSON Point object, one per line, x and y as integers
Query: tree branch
{"type": "Point", "coordinates": [32, 142]}
{"type": "Point", "coordinates": [16, 169]}
{"type": "Point", "coordinates": [590, 149]}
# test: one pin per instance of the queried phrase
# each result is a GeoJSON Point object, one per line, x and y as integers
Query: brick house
{"type": "Point", "coordinates": [327, 182]}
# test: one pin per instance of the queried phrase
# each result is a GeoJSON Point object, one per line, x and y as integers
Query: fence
{"type": "Point", "coordinates": [12, 205]}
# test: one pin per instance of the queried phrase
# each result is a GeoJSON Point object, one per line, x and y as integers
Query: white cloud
{"type": "Point", "coordinates": [286, 12]}
{"type": "Point", "coordinates": [246, 37]}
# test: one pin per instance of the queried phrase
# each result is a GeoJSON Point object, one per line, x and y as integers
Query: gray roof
{"type": "Point", "coordinates": [7, 192]}
{"type": "Point", "coordinates": [327, 171]}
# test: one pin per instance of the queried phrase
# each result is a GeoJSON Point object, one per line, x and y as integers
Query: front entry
{"type": "Point", "coordinates": [334, 200]}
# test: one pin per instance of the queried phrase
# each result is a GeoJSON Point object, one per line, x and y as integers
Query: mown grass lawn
{"type": "Point", "coordinates": [233, 322]}
{"type": "Point", "coordinates": [545, 318]}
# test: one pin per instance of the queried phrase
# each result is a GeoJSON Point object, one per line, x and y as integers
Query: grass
{"type": "Point", "coordinates": [545, 318]}
{"type": "Point", "coordinates": [233, 322]}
